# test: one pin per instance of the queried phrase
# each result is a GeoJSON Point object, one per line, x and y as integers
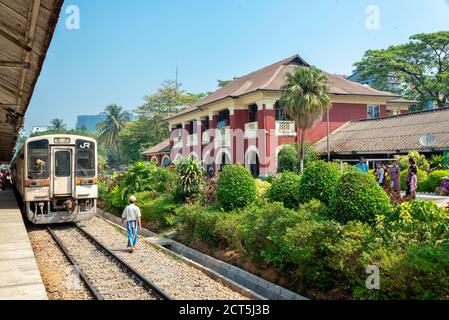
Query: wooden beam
{"type": "Point", "coordinates": [32, 24]}
{"type": "Point", "coordinates": [13, 39]}
{"type": "Point", "coordinates": [14, 65]}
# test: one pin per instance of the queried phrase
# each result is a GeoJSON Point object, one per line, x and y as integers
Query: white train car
{"type": "Point", "coordinates": [56, 176]}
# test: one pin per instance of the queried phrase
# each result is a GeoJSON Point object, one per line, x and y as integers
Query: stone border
{"type": "Point", "coordinates": [233, 277]}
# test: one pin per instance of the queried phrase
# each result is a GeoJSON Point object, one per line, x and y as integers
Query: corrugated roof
{"type": "Point", "coordinates": [390, 134]}
{"type": "Point", "coordinates": [26, 29]}
{"type": "Point", "coordinates": [162, 147]}
{"type": "Point", "coordinates": [272, 78]}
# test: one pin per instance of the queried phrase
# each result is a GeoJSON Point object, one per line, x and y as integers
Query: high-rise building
{"type": "Point", "coordinates": [89, 122]}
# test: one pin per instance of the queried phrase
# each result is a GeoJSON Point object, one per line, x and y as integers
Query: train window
{"type": "Point", "coordinates": [62, 164]}
{"type": "Point", "coordinates": [38, 160]}
{"type": "Point", "coordinates": [85, 158]}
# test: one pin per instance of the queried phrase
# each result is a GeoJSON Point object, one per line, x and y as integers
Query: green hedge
{"type": "Point", "coordinates": [236, 188]}
{"type": "Point", "coordinates": [435, 178]}
{"type": "Point", "coordinates": [358, 197]}
{"type": "Point", "coordinates": [158, 212]}
{"type": "Point", "coordinates": [318, 182]}
{"type": "Point", "coordinates": [285, 189]}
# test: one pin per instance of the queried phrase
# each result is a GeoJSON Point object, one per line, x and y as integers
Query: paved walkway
{"type": "Point", "coordinates": [19, 276]}
{"type": "Point", "coordinates": [439, 200]}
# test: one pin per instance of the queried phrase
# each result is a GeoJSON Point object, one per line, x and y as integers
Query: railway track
{"type": "Point", "coordinates": [105, 274]}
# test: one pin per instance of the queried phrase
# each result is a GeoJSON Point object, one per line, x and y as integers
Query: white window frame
{"type": "Point", "coordinates": [371, 115]}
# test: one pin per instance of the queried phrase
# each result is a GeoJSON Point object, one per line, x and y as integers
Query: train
{"type": "Point", "coordinates": [56, 177]}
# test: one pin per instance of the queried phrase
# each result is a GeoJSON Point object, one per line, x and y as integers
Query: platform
{"type": "Point", "coordinates": [19, 275]}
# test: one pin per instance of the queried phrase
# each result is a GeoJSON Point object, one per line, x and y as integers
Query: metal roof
{"type": "Point", "coordinates": [395, 134]}
{"type": "Point", "coordinates": [26, 30]}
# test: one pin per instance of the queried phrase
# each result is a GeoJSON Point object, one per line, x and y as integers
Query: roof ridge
{"type": "Point", "coordinates": [411, 113]}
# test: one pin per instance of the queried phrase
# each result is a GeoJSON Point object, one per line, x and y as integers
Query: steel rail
{"type": "Point", "coordinates": [147, 282]}
{"type": "Point", "coordinates": [83, 276]}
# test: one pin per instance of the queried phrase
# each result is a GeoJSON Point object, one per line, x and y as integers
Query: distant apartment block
{"type": "Point", "coordinates": [89, 122]}
{"type": "Point", "coordinates": [35, 130]}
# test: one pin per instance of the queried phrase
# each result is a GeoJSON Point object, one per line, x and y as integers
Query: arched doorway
{"type": "Point", "coordinates": [223, 158]}
{"type": "Point", "coordinates": [165, 161]}
{"type": "Point", "coordinates": [252, 161]}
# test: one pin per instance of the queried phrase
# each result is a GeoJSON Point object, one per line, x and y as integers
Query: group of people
{"type": "Point", "coordinates": [5, 176]}
{"type": "Point", "coordinates": [383, 172]}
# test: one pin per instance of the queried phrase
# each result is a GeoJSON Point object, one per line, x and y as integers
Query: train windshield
{"type": "Point", "coordinates": [38, 160]}
{"type": "Point", "coordinates": [85, 158]}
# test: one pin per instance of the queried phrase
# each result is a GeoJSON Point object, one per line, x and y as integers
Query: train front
{"type": "Point", "coordinates": [60, 179]}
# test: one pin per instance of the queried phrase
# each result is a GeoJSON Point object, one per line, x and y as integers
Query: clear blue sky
{"type": "Point", "coordinates": [126, 49]}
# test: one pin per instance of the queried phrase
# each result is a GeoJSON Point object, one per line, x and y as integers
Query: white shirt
{"type": "Point", "coordinates": [131, 213]}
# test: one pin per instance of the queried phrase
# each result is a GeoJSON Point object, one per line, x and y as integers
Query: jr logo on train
{"type": "Point", "coordinates": [56, 176]}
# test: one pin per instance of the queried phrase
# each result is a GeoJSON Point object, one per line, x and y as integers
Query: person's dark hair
{"type": "Point", "coordinates": [412, 161]}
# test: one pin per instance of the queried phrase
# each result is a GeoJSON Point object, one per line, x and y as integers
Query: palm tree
{"type": "Point", "coordinates": [58, 124]}
{"type": "Point", "coordinates": [109, 129]}
{"type": "Point", "coordinates": [305, 98]}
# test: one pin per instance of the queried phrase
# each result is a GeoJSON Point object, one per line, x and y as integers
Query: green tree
{"type": "Point", "coordinates": [58, 125]}
{"type": "Point", "coordinates": [109, 129]}
{"type": "Point", "coordinates": [422, 63]}
{"type": "Point", "coordinates": [305, 97]}
{"type": "Point", "coordinates": [151, 126]}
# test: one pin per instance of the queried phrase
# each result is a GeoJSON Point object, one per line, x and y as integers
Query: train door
{"type": "Point", "coordinates": [62, 171]}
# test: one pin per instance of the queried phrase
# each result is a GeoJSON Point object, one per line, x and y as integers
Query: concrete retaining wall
{"type": "Point", "coordinates": [237, 278]}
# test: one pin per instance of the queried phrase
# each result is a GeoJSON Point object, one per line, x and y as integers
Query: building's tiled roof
{"type": "Point", "coordinates": [162, 147]}
{"type": "Point", "coordinates": [390, 134]}
{"type": "Point", "coordinates": [272, 78]}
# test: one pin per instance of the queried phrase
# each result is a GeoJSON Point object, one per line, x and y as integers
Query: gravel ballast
{"type": "Point", "coordinates": [179, 279]}
{"type": "Point", "coordinates": [56, 272]}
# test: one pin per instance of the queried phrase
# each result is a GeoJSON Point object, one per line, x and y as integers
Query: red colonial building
{"type": "Point", "coordinates": [243, 122]}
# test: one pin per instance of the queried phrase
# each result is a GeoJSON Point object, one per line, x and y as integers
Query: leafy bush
{"type": "Point", "coordinates": [318, 182]}
{"type": "Point", "coordinates": [160, 212]}
{"type": "Point", "coordinates": [435, 178]}
{"type": "Point", "coordinates": [285, 189]}
{"type": "Point", "coordinates": [214, 227]}
{"type": "Point", "coordinates": [262, 188]}
{"type": "Point", "coordinates": [358, 197]}
{"type": "Point", "coordinates": [236, 188]}
{"type": "Point", "coordinates": [256, 225]}
{"type": "Point", "coordinates": [288, 159]}
{"type": "Point", "coordinates": [422, 181]}
{"type": "Point", "coordinates": [190, 179]}
{"type": "Point", "coordinates": [440, 162]}
{"type": "Point", "coordinates": [418, 272]}
{"type": "Point", "coordinates": [138, 178]}
{"type": "Point", "coordinates": [420, 160]}
{"type": "Point", "coordinates": [416, 221]}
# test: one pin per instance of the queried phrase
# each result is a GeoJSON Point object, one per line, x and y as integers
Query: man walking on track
{"type": "Point", "coordinates": [132, 216]}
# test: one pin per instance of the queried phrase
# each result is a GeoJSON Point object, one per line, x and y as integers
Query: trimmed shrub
{"type": "Point", "coordinates": [236, 188]}
{"type": "Point", "coordinates": [159, 212]}
{"type": "Point", "coordinates": [257, 222]}
{"type": "Point", "coordinates": [420, 160]}
{"type": "Point", "coordinates": [288, 159]}
{"type": "Point", "coordinates": [318, 182]}
{"type": "Point", "coordinates": [358, 197]}
{"type": "Point", "coordinates": [285, 189]}
{"type": "Point", "coordinates": [435, 178]}
{"type": "Point", "coordinates": [262, 188]}
{"type": "Point", "coordinates": [422, 181]}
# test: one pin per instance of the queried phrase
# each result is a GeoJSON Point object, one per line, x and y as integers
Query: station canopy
{"type": "Point", "coordinates": [26, 30]}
